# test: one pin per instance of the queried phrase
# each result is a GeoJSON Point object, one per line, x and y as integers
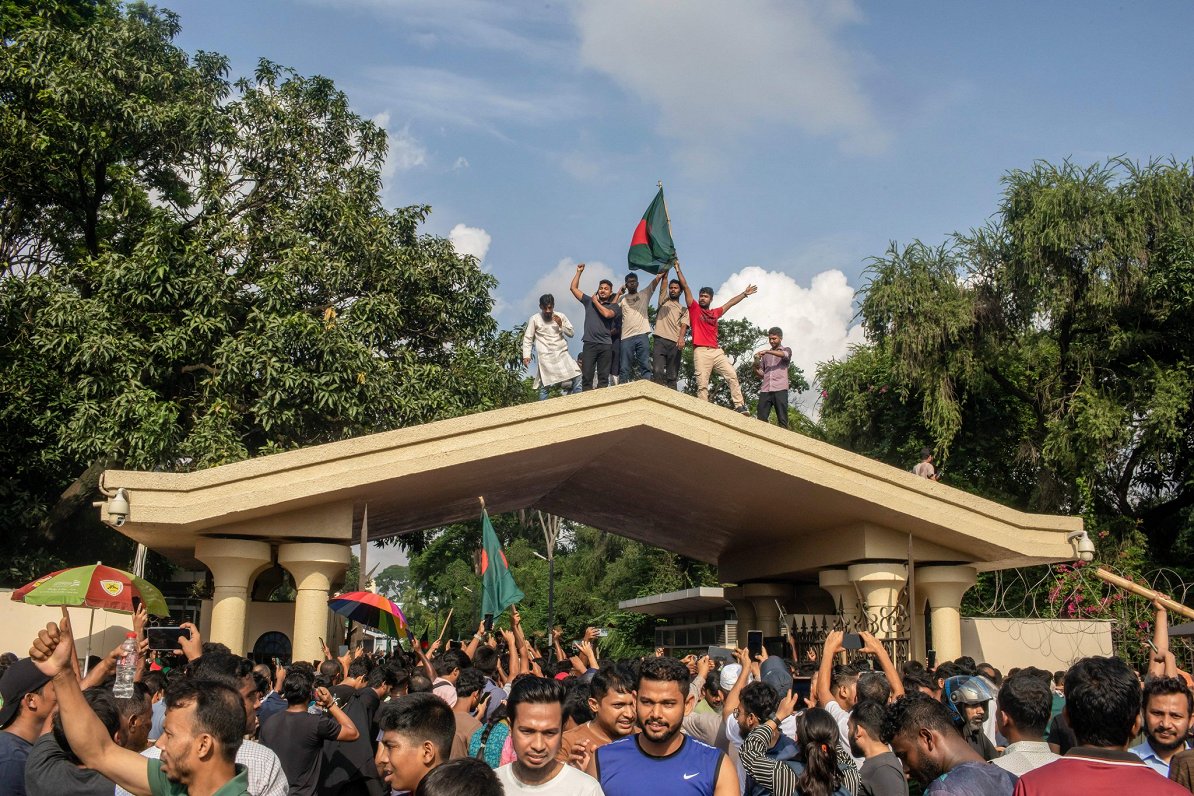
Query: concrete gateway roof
{"type": "Point", "coordinates": [638, 460]}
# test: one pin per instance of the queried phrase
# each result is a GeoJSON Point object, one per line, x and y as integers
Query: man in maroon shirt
{"type": "Point", "coordinates": [1103, 707]}
{"type": "Point", "coordinates": [707, 355]}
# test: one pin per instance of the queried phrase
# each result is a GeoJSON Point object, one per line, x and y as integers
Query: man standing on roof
{"type": "Point", "coordinates": [707, 355]}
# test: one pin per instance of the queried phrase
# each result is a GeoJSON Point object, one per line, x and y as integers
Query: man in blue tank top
{"type": "Point", "coordinates": [661, 760]}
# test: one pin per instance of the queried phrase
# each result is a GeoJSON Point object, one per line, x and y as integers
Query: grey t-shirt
{"type": "Point", "coordinates": [883, 775]}
{"type": "Point", "coordinates": [597, 327]}
{"type": "Point", "coordinates": [48, 772]}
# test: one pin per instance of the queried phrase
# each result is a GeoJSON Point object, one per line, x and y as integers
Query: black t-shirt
{"type": "Point", "coordinates": [297, 739]}
{"type": "Point", "coordinates": [597, 326]}
{"type": "Point", "coordinates": [350, 761]}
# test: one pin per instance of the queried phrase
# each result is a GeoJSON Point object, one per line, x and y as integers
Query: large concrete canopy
{"type": "Point", "coordinates": [637, 460]}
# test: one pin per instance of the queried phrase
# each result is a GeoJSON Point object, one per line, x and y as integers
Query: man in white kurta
{"type": "Point", "coordinates": [549, 331]}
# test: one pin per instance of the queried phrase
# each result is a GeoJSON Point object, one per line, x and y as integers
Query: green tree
{"type": "Point", "coordinates": [190, 279]}
{"type": "Point", "coordinates": [1071, 316]}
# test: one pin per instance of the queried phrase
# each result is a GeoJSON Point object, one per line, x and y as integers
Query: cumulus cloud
{"type": "Point", "coordinates": [556, 282]}
{"type": "Point", "coordinates": [470, 240]}
{"type": "Point", "coordinates": [816, 320]}
{"type": "Point", "coordinates": [405, 152]}
{"type": "Point", "coordinates": [716, 70]}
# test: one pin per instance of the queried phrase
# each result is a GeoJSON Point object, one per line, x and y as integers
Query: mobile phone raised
{"type": "Point", "coordinates": [754, 642]}
{"type": "Point", "coordinates": [166, 638]}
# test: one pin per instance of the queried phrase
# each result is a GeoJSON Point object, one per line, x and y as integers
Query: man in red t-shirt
{"type": "Point", "coordinates": [707, 356]}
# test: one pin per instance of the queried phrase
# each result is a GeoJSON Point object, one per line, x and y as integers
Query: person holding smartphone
{"type": "Point", "coordinates": [297, 736]}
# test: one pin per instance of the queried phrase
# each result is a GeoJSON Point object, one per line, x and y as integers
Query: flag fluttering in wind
{"type": "Point", "coordinates": [651, 247]}
{"type": "Point", "coordinates": [498, 589]}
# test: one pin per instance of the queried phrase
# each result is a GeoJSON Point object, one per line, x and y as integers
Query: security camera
{"type": "Point", "coordinates": [1084, 548]}
{"type": "Point", "coordinates": [118, 508]}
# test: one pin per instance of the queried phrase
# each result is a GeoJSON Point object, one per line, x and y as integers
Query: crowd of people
{"type": "Point", "coordinates": [491, 714]}
{"type": "Point", "coordinates": [619, 343]}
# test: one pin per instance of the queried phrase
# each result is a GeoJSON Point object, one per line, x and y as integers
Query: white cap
{"type": "Point", "coordinates": [729, 675]}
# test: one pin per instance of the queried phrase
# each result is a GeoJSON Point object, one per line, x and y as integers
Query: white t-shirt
{"type": "Point", "coordinates": [569, 781]}
{"type": "Point", "coordinates": [842, 717]}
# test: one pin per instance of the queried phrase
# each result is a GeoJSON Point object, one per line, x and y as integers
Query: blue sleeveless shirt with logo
{"type": "Point", "coordinates": [624, 769]}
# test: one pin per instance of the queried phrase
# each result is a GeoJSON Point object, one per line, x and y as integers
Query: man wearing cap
{"type": "Point", "coordinates": [27, 699]}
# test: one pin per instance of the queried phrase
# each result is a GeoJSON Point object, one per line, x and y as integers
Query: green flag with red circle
{"type": "Point", "coordinates": [498, 589]}
{"type": "Point", "coordinates": [651, 246]}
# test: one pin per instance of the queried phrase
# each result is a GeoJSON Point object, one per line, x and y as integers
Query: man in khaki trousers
{"type": "Point", "coordinates": [707, 355]}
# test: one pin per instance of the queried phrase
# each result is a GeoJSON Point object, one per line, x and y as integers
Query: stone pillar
{"type": "Point", "coordinates": [920, 649]}
{"type": "Point", "coordinates": [233, 564]}
{"type": "Point", "coordinates": [879, 586]}
{"type": "Point", "coordinates": [943, 587]}
{"type": "Point", "coordinates": [314, 567]}
{"type": "Point", "coordinates": [837, 582]}
{"type": "Point", "coordinates": [745, 610]}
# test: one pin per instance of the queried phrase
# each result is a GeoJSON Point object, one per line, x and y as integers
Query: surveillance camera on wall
{"type": "Point", "coordinates": [118, 508]}
{"type": "Point", "coordinates": [1084, 548]}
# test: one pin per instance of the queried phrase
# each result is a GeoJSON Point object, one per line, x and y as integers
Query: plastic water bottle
{"type": "Point", "coordinates": [126, 668]}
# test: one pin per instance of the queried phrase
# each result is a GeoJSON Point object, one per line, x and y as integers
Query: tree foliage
{"type": "Point", "coordinates": [1059, 337]}
{"type": "Point", "coordinates": [197, 271]}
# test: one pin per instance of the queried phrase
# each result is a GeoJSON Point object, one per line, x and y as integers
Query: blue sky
{"type": "Point", "coordinates": [795, 138]}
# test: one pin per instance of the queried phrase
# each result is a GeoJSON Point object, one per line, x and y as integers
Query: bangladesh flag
{"type": "Point", "coordinates": [651, 248]}
{"type": "Point", "coordinates": [498, 589]}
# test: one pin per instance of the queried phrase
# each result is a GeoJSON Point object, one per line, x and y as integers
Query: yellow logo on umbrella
{"type": "Point", "coordinates": [113, 587]}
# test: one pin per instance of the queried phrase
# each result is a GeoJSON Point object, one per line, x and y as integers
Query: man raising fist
{"type": "Point", "coordinates": [202, 730]}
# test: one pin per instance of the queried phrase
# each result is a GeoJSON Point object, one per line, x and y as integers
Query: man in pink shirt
{"type": "Point", "coordinates": [707, 355]}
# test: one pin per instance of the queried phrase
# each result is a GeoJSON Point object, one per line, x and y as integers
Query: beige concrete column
{"type": "Point", "coordinates": [233, 564]}
{"type": "Point", "coordinates": [920, 650]}
{"type": "Point", "coordinates": [745, 611]}
{"type": "Point", "coordinates": [879, 586]}
{"type": "Point", "coordinates": [314, 567]}
{"type": "Point", "coordinates": [943, 587]}
{"type": "Point", "coordinates": [845, 597]}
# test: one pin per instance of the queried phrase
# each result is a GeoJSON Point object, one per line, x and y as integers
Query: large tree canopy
{"type": "Point", "coordinates": [1054, 346]}
{"type": "Point", "coordinates": [196, 271]}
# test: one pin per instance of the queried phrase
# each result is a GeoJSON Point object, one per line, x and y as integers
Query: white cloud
{"type": "Point", "coordinates": [405, 151]}
{"type": "Point", "coordinates": [470, 240]}
{"type": "Point", "coordinates": [440, 96]}
{"type": "Point", "coordinates": [816, 320]}
{"type": "Point", "coordinates": [718, 70]}
{"type": "Point", "coordinates": [461, 163]}
{"type": "Point", "coordinates": [557, 282]}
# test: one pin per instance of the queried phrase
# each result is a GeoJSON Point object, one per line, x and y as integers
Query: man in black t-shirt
{"type": "Point", "coordinates": [596, 356]}
{"type": "Point", "coordinates": [297, 736]}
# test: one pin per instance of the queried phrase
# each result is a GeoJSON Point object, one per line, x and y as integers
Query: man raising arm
{"type": "Point", "coordinates": [203, 729]}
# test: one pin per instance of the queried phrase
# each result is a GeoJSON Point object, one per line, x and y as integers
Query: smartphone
{"type": "Point", "coordinates": [851, 641]}
{"type": "Point", "coordinates": [488, 623]}
{"type": "Point", "coordinates": [754, 642]}
{"type": "Point", "coordinates": [720, 654]}
{"type": "Point", "coordinates": [166, 638]}
{"type": "Point", "coordinates": [803, 686]}
{"type": "Point", "coordinates": [931, 659]}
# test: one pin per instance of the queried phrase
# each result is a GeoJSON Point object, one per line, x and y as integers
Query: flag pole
{"type": "Point", "coordinates": [668, 217]}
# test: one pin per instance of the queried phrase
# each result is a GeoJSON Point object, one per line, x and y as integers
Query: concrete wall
{"type": "Point", "coordinates": [1051, 644]}
{"type": "Point", "coordinates": [19, 624]}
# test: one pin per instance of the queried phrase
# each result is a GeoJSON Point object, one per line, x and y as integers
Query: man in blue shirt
{"type": "Point", "coordinates": [1167, 708]}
